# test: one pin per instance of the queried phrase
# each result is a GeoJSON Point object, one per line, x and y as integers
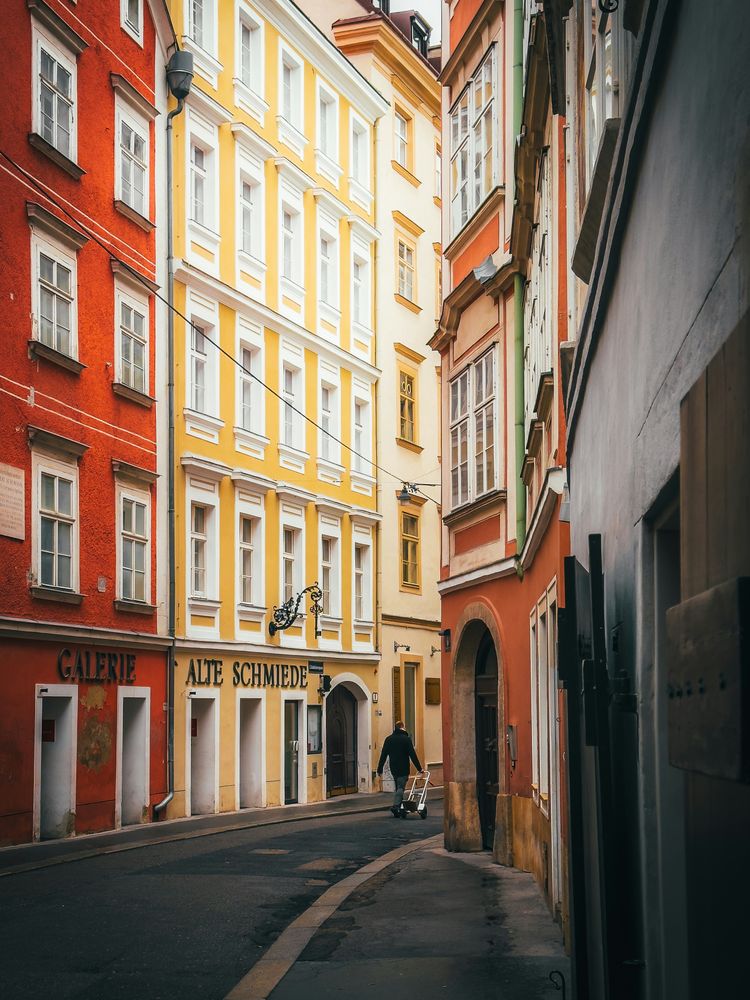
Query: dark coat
{"type": "Point", "coordinates": [399, 748]}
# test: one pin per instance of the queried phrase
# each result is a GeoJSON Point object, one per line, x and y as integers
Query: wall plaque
{"type": "Point", "coordinates": [12, 502]}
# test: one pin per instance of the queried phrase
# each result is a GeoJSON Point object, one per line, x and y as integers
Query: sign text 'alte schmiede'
{"type": "Point", "coordinates": [210, 672]}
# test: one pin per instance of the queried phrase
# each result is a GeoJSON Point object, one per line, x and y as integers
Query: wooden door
{"type": "Point", "coordinates": [341, 741]}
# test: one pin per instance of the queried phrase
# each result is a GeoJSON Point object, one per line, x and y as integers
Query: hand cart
{"type": "Point", "coordinates": [415, 799]}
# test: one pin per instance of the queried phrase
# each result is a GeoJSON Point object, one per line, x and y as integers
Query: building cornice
{"type": "Point", "coordinates": [485, 574]}
{"type": "Point", "coordinates": [376, 34]}
{"type": "Point", "coordinates": [49, 631]}
{"type": "Point", "coordinates": [468, 41]}
{"type": "Point", "coordinates": [554, 482]}
{"type": "Point", "coordinates": [285, 653]}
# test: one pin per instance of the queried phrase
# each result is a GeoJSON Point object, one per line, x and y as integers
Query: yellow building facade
{"type": "Point", "coordinates": [275, 376]}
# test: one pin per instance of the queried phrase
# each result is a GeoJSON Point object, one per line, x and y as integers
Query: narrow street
{"type": "Point", "coordinates": [189, 919]}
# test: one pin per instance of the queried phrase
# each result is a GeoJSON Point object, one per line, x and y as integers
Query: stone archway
{"type": "Point", "coordinates": [463, 831]}
{"type": "Point", "coordinates": [356, 687]}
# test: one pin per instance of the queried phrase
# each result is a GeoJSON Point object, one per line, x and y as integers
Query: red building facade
{"type": "Point", "coordinates": [82, 727]}
{"type": "Point", "coordinates": [503, 320]}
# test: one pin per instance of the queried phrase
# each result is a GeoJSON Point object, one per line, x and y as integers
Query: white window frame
{"type": "Point", "coordinates": [361, 431]}
{"type": "Point", "coordinates": [329, 449]}
{"type": "Point", "coordinates": [292, 392]}
{"type": "Point", "coordinates": [250, 440]}
{"type": "Point", "coordinates": [538, 305]}
{"type": "Point", "coordinates": [203, 489]}
{"type": "Point", "coordinates": [365, 544]}
{"type": "Point", "coordinates": [328, 533]}
{"type": "Point", "coordinates": [124, 492]}
{"type": "Point", "coordinates": [67, 59]}
{"type": "Point", "coordinates": [249, 19]}
{"type": "Point", "coordinates": [42, 463]}
{"type": "Point", "coordinates": [406, 270]}
{"type": "Point", "coordinates": [292, 114]}
{"type": "Point", "coordinates": [203, 134]}
{"type": "Point", "coordinates": [140, 125]}
{"type": "Point", "coordinates": [362, 316]}
{"type": "Point", "coordinates": [141, 304]}
{"type": "Point", "coordinates": [327, 153]}
{"type": "Point", "coordinates": [292, 518]}
{"type": "Point", "coordinates": [328, 231]}
{"type": "Point", "coordinates": [401, 140]}
{"type": "Point", "coordinates": [458, 420]}
{"type": "Point", "coordinates": [482, 406]}
{"type": "Point", "coordinates": [253, 546]}
{"type": "Point", "coordinates": [205, 423]}
{"type": "Point", "coordinates": [134, 30]}
{"type": "Point", "coordinates": [292, 286]}
{"type": "Point", "coordinates": [250, 504]}
{"type": "Point", "coordinates": [208, 41]}
{"type": "Point", "coordinates": [464, 146]}
{"type": "Point", "coordinates": [360, 178]}
{"type": "Point", "coordinates": [61, 254]}
{"type": "Point", "coordinates": [292, 453]}
{"type": "Point", "coordinates": [468, 417]}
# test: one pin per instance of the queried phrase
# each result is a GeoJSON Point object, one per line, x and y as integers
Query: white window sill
{"type": "Point", "coordinates": [292, 458]}
{"type": "Point", "coordinates": [254, 265]}
{"type": "Point", "coordinates": [328, 167]}
{"type": "Point", "coordinates": [291, 136]}
{"type": "Point", "coordinates": [330, 472]}
{"type": "Point", "coordinates": [247, 99]}
{"type": "Point", "coordinates": [362, 483]}
{"type": "Point", "coordinates": [204, 236]}
{"type": "Point", "coordinates": [361, 343]}
{"type": "Point", "coordinates": [288, 288]}
{"type": "Point", "coordinates": [202, 425]}
{"type": "Point", "coordinates": [251, 612]}
{"type": "Point", "coordinates": [206, 65]}
{"type": "Point", "coordinates": [250, 442]}
{"type": "Point", "coordinates": [360, 195]}
{"type": "Point", "coordinates": [203, 604]}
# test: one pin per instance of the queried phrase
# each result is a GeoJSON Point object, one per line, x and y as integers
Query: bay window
{"type": "Point", "coordinates": [473, 431]}
{"type": "Point", "coordinates": [473, 137]}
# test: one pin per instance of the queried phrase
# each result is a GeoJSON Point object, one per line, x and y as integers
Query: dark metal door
{"type": "Point", "coordinates": [341, 741]}
{"type": "Point", "coordinates": [291, 751]}
{"type": "Point", "coordinates": [487, 758]}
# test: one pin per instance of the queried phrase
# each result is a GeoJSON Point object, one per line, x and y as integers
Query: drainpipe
{"type": "Point", "coordinates": [518, 290]}
{"type": "Point", "coordinates": [179, 76]}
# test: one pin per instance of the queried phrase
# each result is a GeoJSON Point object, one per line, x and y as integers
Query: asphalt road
{"type": "Point", "coordinates": [180, 920]}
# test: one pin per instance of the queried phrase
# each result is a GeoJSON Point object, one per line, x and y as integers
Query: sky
{"type": "Point", "coordinates": [429, 9]}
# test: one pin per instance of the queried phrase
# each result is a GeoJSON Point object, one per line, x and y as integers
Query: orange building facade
{"type": "Point", "coordinates": [83, 723]}
{"type": "Point", "coordinates": [504, 533]}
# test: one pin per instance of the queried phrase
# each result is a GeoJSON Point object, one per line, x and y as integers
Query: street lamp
{"type": "Point", "coordinates": [408, 490]}
{"type": "Point", "coordinates": [180, 73]}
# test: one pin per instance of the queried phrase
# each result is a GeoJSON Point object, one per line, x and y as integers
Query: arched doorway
{"type": "Point", "coordinates": [485, 720]}
{"type": "Point", "coordinates": [341, 741]}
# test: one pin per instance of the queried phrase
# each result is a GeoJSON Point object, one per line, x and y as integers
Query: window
{"type": "Point", "coordinates": [438, 172]}
{"type": "Point", "coordinates": [56, 97]}
{"type": "Point", "coordinates": [200, 22]}
{"type": "Point", "coordinates": [291, 245]}
{"type": "Point", "coordinates": [406, 279]}
{"type": "Point", "coordinates": [328, 124]}
{"type": "Point", "coordinates": [248, 584]}
{"type": "Point", "coordinates": [326, 268]}
{"type": "Point", "coordinates": [134, 534]}
{"type": "Point", "coordinates": [473, 142]}
{"type": "Point", "coordinates": [534, 711]}
{"type": "Point", "coordinates": [55, 298]}
{"type": "Point", "coordinates": [133, 345]}
{"type": "Point", "coordinates": [250, 390]}
{"type": "Point", "coordinates": [361, 307]}
{"type": "Point", "coordinates": [361, 456]}
{"type": "Point", "coordinates": [484, 424]}
{"type": "Point", "coordinates": [406, 406]}
{"type": "Point", "coordinates": [291, 89]}
{"type": "Point", "coordinates": [473, 433]}
{"type": "Point", "coordinates": [290, 537]}
{"type": "Point", "coordinates": [401, 139]}
{"type": "Point", "coordinates": [362, 609]}
{"type": "Point", "coordinates": [360, 153]}
{"type": "Point", "coordinates": [314, 729]}
{"type": "Point", "coordinates": [251, 55]}
{"type": "Point", "coordinates": [537, 328]}
{"type": "Point", "coordinates": [251, 219]}
{"type": "Point", "coordinates": [134, 166]}
{"type": "Point", "coordinates": [57, 514]}
{"type": "Point", "coordinates": [459, 393]}
{"type": "Point", "coordinates": [130, 17]}
{"type": "Point", "coordinates": [410, 699]}
{"type": "Point", "coordinates": [357, 276]}
{"type": "Point", "coordinates": [409, 550]}
{"type": "Point", "coordinates": [199, 516]}
{"type": "Point", "coordinates": [198, 184]}
{"type": "Point", "coordinates": [198, 368]}
{"type": "Point", "coordinates": [327, 546]}
{"type": "Point", "coordinates": [329, 449]}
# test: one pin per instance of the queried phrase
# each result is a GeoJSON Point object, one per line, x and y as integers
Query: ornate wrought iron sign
{"type": "Point", "coordinates": [287, 614]}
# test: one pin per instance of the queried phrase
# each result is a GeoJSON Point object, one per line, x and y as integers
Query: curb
{"type": "Point", "coordinates": [96, 852]}
{"type": "Point", "coordinates": [269, 970]}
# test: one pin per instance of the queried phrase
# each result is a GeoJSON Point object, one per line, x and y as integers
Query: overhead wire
{"type": "Point", "coordinates": [227, 354]}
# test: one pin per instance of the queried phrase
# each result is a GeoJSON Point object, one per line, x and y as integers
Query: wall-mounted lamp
{"type": "Point", "coordinates": [435, 649]}
{"type": "Point", "coordinates": [445, 635]}
{"type": "Point", "coordinates": [511, 738]}
{"type": "Point", "coordinates": [400, 645]}
{"type": "Point", "coordinates": [180, 73]}
{"type": "Point", "coordinates": [408, 490]}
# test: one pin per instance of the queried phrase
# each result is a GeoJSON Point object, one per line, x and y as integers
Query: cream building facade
{"type": "Point", "coordinates": [392, 53]}
{"type": "Point", "coordinates": [275, 376]}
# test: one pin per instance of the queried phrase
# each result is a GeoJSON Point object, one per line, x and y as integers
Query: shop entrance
{"type": "Point", "coordinates": [341, 741]}
{"type": "Point", "coordinates": [250, 752]}
{"type": "Point", "coordinates": [203, 758]}
{"type": "Point", "coordinates": [291, 752]}
{"type": "Point", "coordinates": [486, 730]}
{"type": "Point", "coordinates": [133, 757]}
{"type": "Point", "coordinates": [56, 755]}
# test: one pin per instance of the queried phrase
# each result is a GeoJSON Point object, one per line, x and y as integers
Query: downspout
{"type": "Point", "coordinates": [518, 292]}
{"type": "Point", "coordinates": [172, 604]}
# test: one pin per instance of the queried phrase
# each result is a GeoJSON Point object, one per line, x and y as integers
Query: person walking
{"type": "Point", "coordinates": [399, 750]}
